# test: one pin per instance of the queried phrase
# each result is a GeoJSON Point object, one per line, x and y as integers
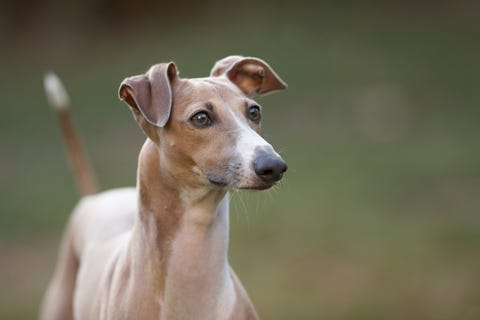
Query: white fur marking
{"type": "Point", "coordinates": [248, 141]}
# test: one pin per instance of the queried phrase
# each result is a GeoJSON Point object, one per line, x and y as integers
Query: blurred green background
{"type": "Point", "coordinates": [378, 216]}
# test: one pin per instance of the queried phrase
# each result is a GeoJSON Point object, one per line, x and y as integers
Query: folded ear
{"type": "Point", "coordinates": [251, 75]}
{"type": "Point", "coordinates": [151, 94]}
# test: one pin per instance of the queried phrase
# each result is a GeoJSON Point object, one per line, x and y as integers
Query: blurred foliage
{"type": "Point", "coordinates": [378, 217]}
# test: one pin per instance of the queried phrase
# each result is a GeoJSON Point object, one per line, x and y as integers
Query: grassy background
{"type": "Point", "coordinates": [378, 216]}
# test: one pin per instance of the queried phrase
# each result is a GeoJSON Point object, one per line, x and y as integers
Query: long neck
{"type": "Point", "coordinates": [180, 241]}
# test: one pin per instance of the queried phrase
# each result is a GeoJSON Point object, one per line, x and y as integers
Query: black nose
{"type": "Point", "coordinates": [269, 168]}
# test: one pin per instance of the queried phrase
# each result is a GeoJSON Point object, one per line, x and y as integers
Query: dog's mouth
{"type": "Point", "coordinates": [222, 183]}
{"type": "Point", "coordinates": [217, 182]}
{"type": "Point", "coordinates": [257, 188]}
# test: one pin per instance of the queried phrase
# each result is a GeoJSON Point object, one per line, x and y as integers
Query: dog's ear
{"type": "Point", "coordinates": [150, 95]}
{"type": "Point", "coordinates": [251, 75]}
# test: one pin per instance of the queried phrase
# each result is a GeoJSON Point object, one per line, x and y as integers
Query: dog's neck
{"type": "Point", "coordinates": [180, 242]}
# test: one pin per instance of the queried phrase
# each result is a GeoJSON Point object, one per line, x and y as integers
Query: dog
{"type": "Point", "coordinates": [159, 251]}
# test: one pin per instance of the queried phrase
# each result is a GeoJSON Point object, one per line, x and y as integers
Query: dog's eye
{"type": "Point", "coordinates": [201, 120]}
{"type": "Point", "coordinates": [254, 114]}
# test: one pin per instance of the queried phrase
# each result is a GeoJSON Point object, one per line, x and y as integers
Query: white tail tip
{"type": "Point", "coordinates": [57, 96]}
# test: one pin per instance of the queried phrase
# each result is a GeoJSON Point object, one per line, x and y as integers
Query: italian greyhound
{"type": "Point", "coordinates": [159, 251]}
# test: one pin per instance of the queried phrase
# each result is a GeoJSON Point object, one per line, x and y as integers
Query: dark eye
{"type": "Point", "coordinates": [254, 114]}
{"type": "Point", "coordinates": [201, 120]}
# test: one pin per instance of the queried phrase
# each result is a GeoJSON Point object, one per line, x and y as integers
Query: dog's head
{"type": "Point", "coordinates": [207, 129]}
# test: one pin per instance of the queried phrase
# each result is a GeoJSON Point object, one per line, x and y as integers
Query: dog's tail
{"type": "Point", "coordinates": [58, 98]}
